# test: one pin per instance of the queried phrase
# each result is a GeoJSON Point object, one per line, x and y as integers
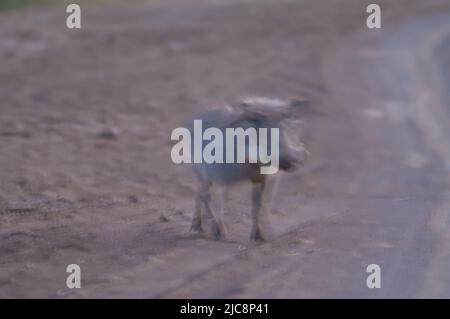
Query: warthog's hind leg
{"type": "Point", "coordinates": [203, 204]}
{"type": "Point", "coordinates": [200, 198]}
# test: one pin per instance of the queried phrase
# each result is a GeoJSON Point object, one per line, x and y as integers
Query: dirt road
{"type": "Point", "coordinates": [85, 124]}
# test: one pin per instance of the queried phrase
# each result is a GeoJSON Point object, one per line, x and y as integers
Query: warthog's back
{"type": "Point", "coordinates": [223, 119]}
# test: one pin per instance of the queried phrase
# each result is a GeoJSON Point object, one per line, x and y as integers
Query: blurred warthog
{"type": "Point", "coordinates": [258, 113]}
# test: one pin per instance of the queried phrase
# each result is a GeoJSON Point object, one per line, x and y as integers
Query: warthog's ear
{"type": "Point", "coordinates": [300, 107]}
{"type": "Point", "coordinates": [249, 110]}
{"type": "Point", "coordinates": [238, 106]}
{"type": "Point", "coordinates": [299, 103]}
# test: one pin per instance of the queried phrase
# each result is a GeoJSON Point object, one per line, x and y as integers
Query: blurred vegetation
{"type": "Point", "coordinates": [12, 4]}
{"type": "Point", "coordinates": [16, 4]}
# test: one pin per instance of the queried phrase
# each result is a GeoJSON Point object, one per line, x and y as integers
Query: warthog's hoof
{"type": "Point", "coordinates": [218, 236]}
{"type": "Point", "coordinates": [217, 233]}
{"type": "Point", "coordinates": [257, 237]}
{"type": "Point", "coordinates": [196, 226]}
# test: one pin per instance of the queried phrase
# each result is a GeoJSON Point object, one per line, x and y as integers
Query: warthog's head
{"type": "Point", "coordinates": [282, 114]}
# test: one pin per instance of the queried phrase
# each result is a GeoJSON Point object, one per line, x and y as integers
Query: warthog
{"type": "Point", "coordinates": [258, 113]}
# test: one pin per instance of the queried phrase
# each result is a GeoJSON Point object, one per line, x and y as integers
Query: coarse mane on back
{"type": "Point", "coordinates": [273, 107]}
{"type": "Point", "coordinates": [260, 101]}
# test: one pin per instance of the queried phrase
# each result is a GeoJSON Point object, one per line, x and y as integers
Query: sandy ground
{"type": "Point", "coordinates": [87, 178]}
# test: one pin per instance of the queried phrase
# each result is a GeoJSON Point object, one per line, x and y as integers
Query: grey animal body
{"type": "Point", "coordinates": [248, 113]}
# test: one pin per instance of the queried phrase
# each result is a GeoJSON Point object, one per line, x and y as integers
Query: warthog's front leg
{"type": "Point", "coordinates": [218, 230]}
{"type": "Point", "coordinates": [261, 197]}
{"type": "Point", "coordinates": [257, 206]}
{"type": "Point", "coordinates": [222, 198]}
{"type": "Point", "coordinates": [200, 198]}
